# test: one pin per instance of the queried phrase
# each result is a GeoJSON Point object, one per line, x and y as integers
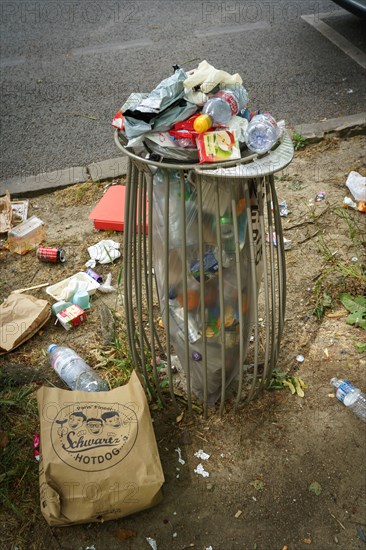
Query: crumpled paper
{"type": "Point", "coordinates": [104, 252]}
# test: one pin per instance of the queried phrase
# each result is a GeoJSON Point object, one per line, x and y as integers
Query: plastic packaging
{"type": "Point", "coordinates": [262, 133]}
{"type": "Point", "coordinates": [175, 211]}
{"type": "Point", "coordinates": [351, 397]}
{"type": "Point", "coordinates": [220, 108]}
{"type": "Point", "coordinates": [73, 370]}
{"type": "Point", "coordinates": [357, 185]}
{"type": "Point", "coordinates": [26, 236]}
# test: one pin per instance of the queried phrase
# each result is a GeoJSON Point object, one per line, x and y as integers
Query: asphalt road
{"type": "Point", "coordinates": [67, 66]}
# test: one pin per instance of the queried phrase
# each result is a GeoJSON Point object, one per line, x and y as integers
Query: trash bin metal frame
{"type": "Point", "coordinates": [140, 287]}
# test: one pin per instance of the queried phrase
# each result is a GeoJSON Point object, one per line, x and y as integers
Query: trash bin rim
{"type": "Point", "coordinates": [209, 168]}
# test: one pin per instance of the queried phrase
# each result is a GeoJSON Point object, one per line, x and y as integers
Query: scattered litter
{"type": "Point", "coordinates": [287, 244]}
{"type": "Point", "coordinates": [315, 488]}
{"type": "Point", "coordinates": [354, 259]}
{"type": "Point", "coordinates": [238, 514]}
{"type": "Point", "coordinates": [349, 203]}
{"type": "Point", "coordinates": [106, 287]}
{"type": "Point", "coordinates": [71, 317]}
{"type": "Point", "coordinates": [20, 290]}
{"type": "Point", "coordinates": [94, 275]}
{"type": "Point", "coordinates": [180, 459]}
{"type": "Point", "coordinates": [20, 211]}
{"type": "Point", "coordinates": [357, 185]}
{"type": "Point", "coordinates": [104, 252]}
{"type": "Point", "coordinates": [152, 543]}
{"type": "Point", "coordinates": [201, 454]}
{"type": "Point", "coordinates": [21, 316]}
{"type": "Point", "coordinates": [320, 196]}
{"type": "Point", "coordinates": [254, 498]}
{"type": "Point", "coordinates": [5, 213]}
{"type": "Point", "coordinates": [65, 289]}
{"type": "Point", "coordinates": [283, 208]}
{"type": "Point", "coordinates": [174, 535]}
{"type": "Point", "coordinates": [209, 548]}
{"type": "Point", "coordinates": [300, 358]}
{"type": "Point", "coordinates": [326, 352]}
{"type": "Point", "coordinates": [307, 540]}
{"type": "Point", "coordinates": [36, 442]}
{"type": "Point", "coordinates": [108, 214]}
{"type": "Point", "coordinates": [201, 471]}
{"type": "Point", "coordinates": [51, 254]}
{"type": "Point", "coordinates": [26, 236]}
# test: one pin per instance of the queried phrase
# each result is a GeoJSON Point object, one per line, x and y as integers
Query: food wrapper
{"type": "Point", "coordinates": [218, 146]}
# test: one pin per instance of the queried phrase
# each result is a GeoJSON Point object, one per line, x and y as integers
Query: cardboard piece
{"type": "Point", "coordinates": [21, 316]}
{"type": "Point", "coordinates": [109, 213]}
{"type": "Point", "coordinates": [99, 457]}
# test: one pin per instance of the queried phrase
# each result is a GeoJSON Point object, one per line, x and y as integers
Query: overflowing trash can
{"type": "Point", "coordinates": [204, 268]}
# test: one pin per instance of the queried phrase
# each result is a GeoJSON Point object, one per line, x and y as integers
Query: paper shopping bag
{"type": "Point", "coordinates": [99, 457]}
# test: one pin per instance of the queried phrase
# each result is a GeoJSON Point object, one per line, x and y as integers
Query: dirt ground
{"type": "Point", "coordinates": [264, 456]}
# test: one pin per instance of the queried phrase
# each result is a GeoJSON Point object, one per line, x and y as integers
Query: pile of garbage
{"type": "Point", "coordinates": [23, 315]}
{"type": "Point", "coordinates": [201, 114]}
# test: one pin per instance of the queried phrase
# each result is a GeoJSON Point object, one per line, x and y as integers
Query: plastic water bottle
{"type": "Point", "coordinates": [262, 133]}
{"type": "Point", "coordinates": [351, 397]}
{"type": "Point", "coordinates": [175, 212]}
{"type": "Point", "coordinates": [73, 370]}
{"type": "Point", "coordinates": [219, 109]}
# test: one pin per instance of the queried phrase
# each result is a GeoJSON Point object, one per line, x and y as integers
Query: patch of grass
{"type": "Point", "coordinates": [19, 487]}
{"type": "Point", "coordinates": [339, 275]}
{"type": "Point", "coordinates": [298, 140]}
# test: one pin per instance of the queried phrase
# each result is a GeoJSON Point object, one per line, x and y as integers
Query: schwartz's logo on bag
{"type": "Point", "coordinates": [92, 437]}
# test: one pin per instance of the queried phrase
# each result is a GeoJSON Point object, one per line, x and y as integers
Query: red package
{"type": "Point", "coordinates": [118, 120]}
{"type": "Point", "coordinates": [186, 124]}
{"type": "Point", "coordinates": [36, 443]}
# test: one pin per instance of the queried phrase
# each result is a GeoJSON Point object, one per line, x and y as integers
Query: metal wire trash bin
{"type": "Point", "coordinates": [216, 228]}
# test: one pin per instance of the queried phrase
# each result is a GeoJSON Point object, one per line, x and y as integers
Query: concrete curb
{"type": "Point", "coordinates": [116, 167]}
{"type": "Point", "coordinates": [346, 126]}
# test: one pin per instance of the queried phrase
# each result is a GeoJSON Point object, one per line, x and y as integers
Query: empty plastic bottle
{"type": "Point", "coordinates": [73, 370]}
{"type": "Point", "coordinates": [175, 208]}
{"type": "Point", "coordinates": [262, 133]}
{"type": "Point", "coordinates": [351, 397]}
{"type": "Point", "coordinates": [219, 109]}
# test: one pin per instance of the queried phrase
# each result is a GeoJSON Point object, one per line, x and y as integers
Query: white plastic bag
{"type": "Point", "coordinates": [357, 185]}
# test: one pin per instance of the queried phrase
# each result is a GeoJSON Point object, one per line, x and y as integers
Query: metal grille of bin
{"type": "Point", "coordinates": [204, 292]}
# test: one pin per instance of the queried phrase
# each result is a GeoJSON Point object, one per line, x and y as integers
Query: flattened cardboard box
{"type": "Point", "coordinates": [99, 457]}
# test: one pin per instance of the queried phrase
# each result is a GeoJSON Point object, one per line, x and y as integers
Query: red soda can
{"type": "Point", "coordinates": [50, 254]}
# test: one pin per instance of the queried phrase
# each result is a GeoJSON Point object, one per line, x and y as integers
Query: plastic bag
{"type": "Point", "coordinates": [357, 185]}
{"type": "Point", "coordinates": [187, 266]}
{"type": "Point", "coordinates": [166, 93]}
